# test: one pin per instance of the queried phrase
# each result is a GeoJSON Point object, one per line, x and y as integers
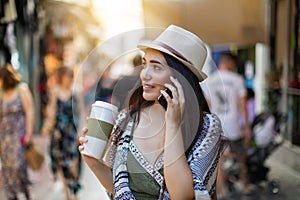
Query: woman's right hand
{"type": "Point", "coordinates": [82, 139]}
{"type": "Point", "coordinates": [90, 161]}
{"type": "Point", "coordinates": [102, 172]}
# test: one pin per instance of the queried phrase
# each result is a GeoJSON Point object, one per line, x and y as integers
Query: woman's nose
{"type": "Point", "coordinates": [146, 73]}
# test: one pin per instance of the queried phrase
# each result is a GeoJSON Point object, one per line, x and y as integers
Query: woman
{"type": "Point", "coordinates": [16, 126]}
{"type": "Point", "coordinates": [172, 153]}
{"type": "Point", "coordinates": [64, 108]}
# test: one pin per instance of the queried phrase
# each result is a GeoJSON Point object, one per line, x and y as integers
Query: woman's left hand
{"type": "Point", "coordinates": [176, 104]}
{"type": "Point", "coordinates": [27, 139]}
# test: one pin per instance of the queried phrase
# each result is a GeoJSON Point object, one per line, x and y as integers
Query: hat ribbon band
{"type": "Point", "coordinates": [173, 51]}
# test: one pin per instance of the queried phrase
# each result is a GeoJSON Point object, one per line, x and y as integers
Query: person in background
{"type": "Point", "coordinates": [228, 97]}
{"type": "Point", "coordinates": [64, 110]}
{"type": "Point", "coordinates": [105, 87]}
{"type": "Point", "coordinates": [250, 105]}
{"type": "Point", "coordinates": [163, 153]}
{"type": "Point", "coordinates": [125, 84]}
{"type": "Point", "coordinates": [16, 126]}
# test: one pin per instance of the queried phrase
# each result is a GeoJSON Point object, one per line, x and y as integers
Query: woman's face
{"type": "Point", "coordinates": [154, 75]}
{"type": "Point", "coordinates": [67, 79]}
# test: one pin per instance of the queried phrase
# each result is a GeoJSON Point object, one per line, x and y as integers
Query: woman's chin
{"type": "Point", "coordinates": [148, 97]}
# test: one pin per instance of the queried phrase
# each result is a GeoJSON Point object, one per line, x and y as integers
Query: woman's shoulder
{"type": "Point", "coordinates": [23, 88]}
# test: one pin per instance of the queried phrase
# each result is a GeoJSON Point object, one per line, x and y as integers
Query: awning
{"type": "Point", "coordinates": [217, 22]}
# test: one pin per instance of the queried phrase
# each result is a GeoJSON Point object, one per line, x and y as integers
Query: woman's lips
{"type": "Point", "coordinates": [147, 87]}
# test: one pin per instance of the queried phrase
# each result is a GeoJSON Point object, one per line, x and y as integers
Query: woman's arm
{"type": "Point", "coordinates": [101, 171]}
{"type": "Point", "coordinates": [27, 103]}
{"type": "Point", "coordinates": [177, 173]}
{"type": "Point", "coordinates": [203, 162]}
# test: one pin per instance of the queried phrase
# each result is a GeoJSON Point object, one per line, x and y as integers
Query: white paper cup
{"type": "Point", "coordinates": [100, 124]}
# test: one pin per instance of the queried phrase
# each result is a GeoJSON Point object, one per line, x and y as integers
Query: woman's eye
{"type": "Point", "coordinates": [152, 66]}
{"type": "Point", "coordinates": [157, 67]}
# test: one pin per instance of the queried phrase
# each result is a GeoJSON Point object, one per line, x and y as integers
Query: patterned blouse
{"type": "Point", "coordinates": [203, 161]}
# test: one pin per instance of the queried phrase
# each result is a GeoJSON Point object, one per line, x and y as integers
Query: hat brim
{"type": "Point", "coordinates": [148, 44]}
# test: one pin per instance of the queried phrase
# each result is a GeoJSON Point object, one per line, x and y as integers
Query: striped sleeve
{"type": "Point", "coordinates": [204, 158]}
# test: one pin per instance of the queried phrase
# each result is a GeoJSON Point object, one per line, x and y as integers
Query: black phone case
{"type": "Point", "coordinates": [162, 100]}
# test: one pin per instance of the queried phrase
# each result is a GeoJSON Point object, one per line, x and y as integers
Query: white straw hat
{"type": "Point", "coordinates": [183, 45]}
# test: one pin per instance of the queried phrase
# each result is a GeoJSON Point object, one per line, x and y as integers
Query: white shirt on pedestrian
{"type": "Point", "coordinates": [223, 89]}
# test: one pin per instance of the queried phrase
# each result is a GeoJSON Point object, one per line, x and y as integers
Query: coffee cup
{"type": "Point", "coordinates": [100, 124]}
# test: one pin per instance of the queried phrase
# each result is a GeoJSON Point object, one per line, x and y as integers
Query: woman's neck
{"type": "Point", "coordinates": [155, 111]}
{"type": "Point", "coordinates": [152, 122]}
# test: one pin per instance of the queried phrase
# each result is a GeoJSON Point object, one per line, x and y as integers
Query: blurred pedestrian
{"type": "Point", "coordinates": [228, 97]}
{"type": "Point", "coordinates": [105, 87]}
{"type": "Point", "coordinates": [167, 152]}
{"type": "Point", "coordinates": [125, 84]}
{"type": "Point", "coordinates": [250, 104]}
{"type": "Point", "coordinates": [64, 109]}
{"type": "Point", "coordinates": [16, 126]}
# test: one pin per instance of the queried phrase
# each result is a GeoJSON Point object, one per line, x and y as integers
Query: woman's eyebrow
{"type": "Point", "coordinates": [153, 61]}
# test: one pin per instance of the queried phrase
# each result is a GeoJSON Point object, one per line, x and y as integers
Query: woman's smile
{"type": "Point", "coordinates": [148, 87]}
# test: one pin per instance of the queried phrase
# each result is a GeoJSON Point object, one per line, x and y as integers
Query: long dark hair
{"type": "Point", "coordinates": [195, 102]}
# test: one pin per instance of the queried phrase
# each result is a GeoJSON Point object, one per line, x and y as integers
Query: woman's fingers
{"type": "Point", "coordinates": [80, 148]}
{"type": "Point", "coordinates": [166, 95]}
{"type": "Point", "coordinates": [82, 138]}
{"type": "Point", "coordinates": [179, 89]}
{"type": "Point", "coordinates": [173, 90]}
{"type": "Point", "coordinates": [84, 131]}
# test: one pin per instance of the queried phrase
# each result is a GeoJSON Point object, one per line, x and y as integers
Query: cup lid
{"type": "Point", "coordinates": [106, 105]}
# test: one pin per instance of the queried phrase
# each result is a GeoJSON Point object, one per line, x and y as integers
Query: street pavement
{"type": "Point", "coordinates": [45, 188]}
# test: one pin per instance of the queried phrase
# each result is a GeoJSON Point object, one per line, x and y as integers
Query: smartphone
{"type": "Point", "coordinates": [162, 100]}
